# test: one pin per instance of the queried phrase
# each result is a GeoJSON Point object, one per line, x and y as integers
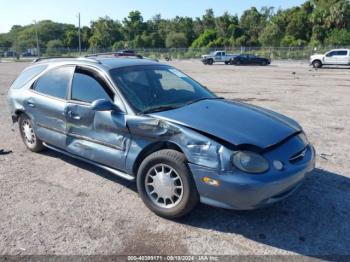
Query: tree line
{"type": "Point", "coordinates": [314, 23]}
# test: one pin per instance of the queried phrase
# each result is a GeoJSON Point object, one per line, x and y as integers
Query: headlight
{"type": "Point", "coordinates": [250, 162]}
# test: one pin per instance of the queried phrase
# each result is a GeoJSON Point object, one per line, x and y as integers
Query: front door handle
{"type": "Point", "coordinates": [72, 115]}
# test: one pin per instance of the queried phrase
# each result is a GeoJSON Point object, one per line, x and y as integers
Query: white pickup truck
{"type": "Point", "coordinates": [333, 57]}
{"type": "Point", "coordinates": [217, 56]}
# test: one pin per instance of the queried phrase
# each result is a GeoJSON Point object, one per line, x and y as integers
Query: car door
{"type": "Point", "coordinates": [244, 59]}
{"type": "Point", "coordinates": [100, 136]}
{"type": "Point", "coordinates": [251, 59]}
{"type": "Point", "coordinates": [217, 57]}
{"type": "Point", "coordinates": [330, 58]}
{"type": "Point", "coordinates": [342, 57]}
{"type": "Point", "coordinates": [223, 56]}
{"type": "Point", "coordinates": [46, 103]}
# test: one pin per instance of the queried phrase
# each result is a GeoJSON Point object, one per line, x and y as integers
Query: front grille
{"type": "Point", "coordinates": [298, 156]}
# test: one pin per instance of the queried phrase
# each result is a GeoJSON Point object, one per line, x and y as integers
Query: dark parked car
{"type": "Point", "coordinates": [247, 59]}
{"type": "Point", "coordinates": [26, 54]}
{"type": "Point", "coordinates": [127, 53]}
{"type": "Point", "coordinates": [10, 54]}
{"type": "Point", "coordinates": [149, 122]}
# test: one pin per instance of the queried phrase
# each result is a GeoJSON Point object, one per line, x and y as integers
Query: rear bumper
{"type": "Point", "coordinates": [242, 191]}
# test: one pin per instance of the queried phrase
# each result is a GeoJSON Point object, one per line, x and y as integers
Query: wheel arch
{"type": "Point", "coordinates": [17, 113]}
{"type": "Point", "coordinates": [151, 148]}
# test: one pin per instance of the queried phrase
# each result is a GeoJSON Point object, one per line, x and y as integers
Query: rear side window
{"type": "Point", "coordinates": [27, 75]}
{"type": "Point", "coordinates": [342, 52]}
{"type": "Point", "coordinates": [56, 82]}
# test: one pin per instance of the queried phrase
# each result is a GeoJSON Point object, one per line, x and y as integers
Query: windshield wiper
{"type": "Point", "coordinates": [169, 107]}
{"type": "Point", "coordinates": [159, 108]}
{"type": "Point", "coordinates": [204, 98]}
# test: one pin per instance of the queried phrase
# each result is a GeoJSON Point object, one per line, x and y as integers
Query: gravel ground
{"type": "Point", "coordinates": [51, 204]}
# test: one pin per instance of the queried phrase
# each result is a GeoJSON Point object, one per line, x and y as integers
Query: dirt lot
{"type": "Point", "coordinates": [51, 204]}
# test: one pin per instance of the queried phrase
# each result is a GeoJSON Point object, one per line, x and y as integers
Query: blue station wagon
{"type": "Point", "coordinates": [151, 123]}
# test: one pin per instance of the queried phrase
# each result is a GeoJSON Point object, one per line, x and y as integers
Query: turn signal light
{"type": "Point", "coordinates": [210, 181]}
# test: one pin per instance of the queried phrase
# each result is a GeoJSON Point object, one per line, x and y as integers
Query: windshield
{"type": "Point", "coordinates": [157, 88]}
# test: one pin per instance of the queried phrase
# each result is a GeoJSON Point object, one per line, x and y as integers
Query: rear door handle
{"type": "Point", "coordinates": [72, 115]}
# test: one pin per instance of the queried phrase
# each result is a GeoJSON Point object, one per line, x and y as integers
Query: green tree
{"type": "Point", "coordinates": [71, 38]}
{"type": "Point", "coordinates": [208, 19]}
{"type": "Point", "coordinates": [54, 47]}
{"type": "Point", "coordinates": [85, 36]}
{"type": "Point", "coordinates": [105, 32]}
{"type": "Point", "coordinates": [176, 40]}
{"type": "Point", "coordinates": [271, 35]}
{"type": "Point", "coordinates": [205, 39]}
{"type": "Point", "coordinates": [252, 23]}
{"type": "Point", "coordinates": [338, 37]}
{"type": "Point", "coordinates": [133, 25]}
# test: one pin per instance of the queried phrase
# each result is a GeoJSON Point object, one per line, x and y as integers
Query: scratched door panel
{"type": "Point", "coordinates": [98, 136]}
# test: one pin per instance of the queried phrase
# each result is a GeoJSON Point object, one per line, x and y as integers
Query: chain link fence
{"type": "Point", "coordinates": [273, 53]}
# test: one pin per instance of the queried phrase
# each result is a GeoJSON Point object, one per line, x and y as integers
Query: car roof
{"type": "Point", "coordinates": [340, 49]}
{"type": "Point", "coordinates": [105, 63]}
{"type": "Point", "coordinates": [125, 62]}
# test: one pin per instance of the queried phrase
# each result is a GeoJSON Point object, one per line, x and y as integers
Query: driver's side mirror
{"type": "Point", "coordinates": [104, 105]}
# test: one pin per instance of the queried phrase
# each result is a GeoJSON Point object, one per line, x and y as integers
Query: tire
{"type": "Point", "coordinates": [180, 176]}
{"type": "Point", "coordinates": [205, 62]}
{"type": "Point", "coordinates": [28, 135]}
{"type": "Point", "coordinates": [238, 63]}
{"type": "Point", "coordinates": [263, 63]}
{"type": "Point", "coordinates": [227, 62]}
{"type": "Point", "coordinates": [210, 61]}
{"type": "Point", "coordinates": [317, 64]}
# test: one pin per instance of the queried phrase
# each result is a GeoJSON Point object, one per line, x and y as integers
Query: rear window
{"type": "Point", "coordinates": [27, 75]}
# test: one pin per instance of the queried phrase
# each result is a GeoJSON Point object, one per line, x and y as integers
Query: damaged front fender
{"type": "Point", "coordinates": [198, 148]}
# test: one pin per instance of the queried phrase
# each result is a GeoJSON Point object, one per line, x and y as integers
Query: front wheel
{"type": "Point", "coordinates": [210, 61]}
{"type": "Point", "coordinates": [317, 64]}
{"type": "Point", "coordinates": [28, 135]}
{"type": "Point", "coordinates": [165, 184]}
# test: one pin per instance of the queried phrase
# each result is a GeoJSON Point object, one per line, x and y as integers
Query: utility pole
{"type": "Point", "coordinates": [37, 38]}
{"type": "Point", "coordinates": [79, 35]}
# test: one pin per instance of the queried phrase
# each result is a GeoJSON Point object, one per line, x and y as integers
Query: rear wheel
{"type": "Point", "coordinates": [165, 184]}
{"type": "Point", "coordinates": [28, 135]}
{"type": "Point", "coordinates": [317, 64]}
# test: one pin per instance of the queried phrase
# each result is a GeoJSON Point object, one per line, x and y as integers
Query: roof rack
{"type": "Point", "coordinates": [100, 54]}
{"type": "Point", "coordinates": [51, 57]}
{"type": "Point", "coordinates": [136, 56]}
{"type": "Point", "coordinates": [66, 57]}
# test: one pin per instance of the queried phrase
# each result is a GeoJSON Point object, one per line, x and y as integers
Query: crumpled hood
{"type": "Point", "coordinates": [234, 122]}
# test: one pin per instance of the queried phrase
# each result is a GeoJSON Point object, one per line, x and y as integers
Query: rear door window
{"type": "Point", "coordinates": [342, 53]}
{"type": "Point", "coordinates": [27, 75]}
{"type": "Point", "coordinates": [55, 83]}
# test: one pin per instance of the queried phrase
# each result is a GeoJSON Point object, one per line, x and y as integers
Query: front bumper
{"type": "Point", "coordinates": [241, 191]}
